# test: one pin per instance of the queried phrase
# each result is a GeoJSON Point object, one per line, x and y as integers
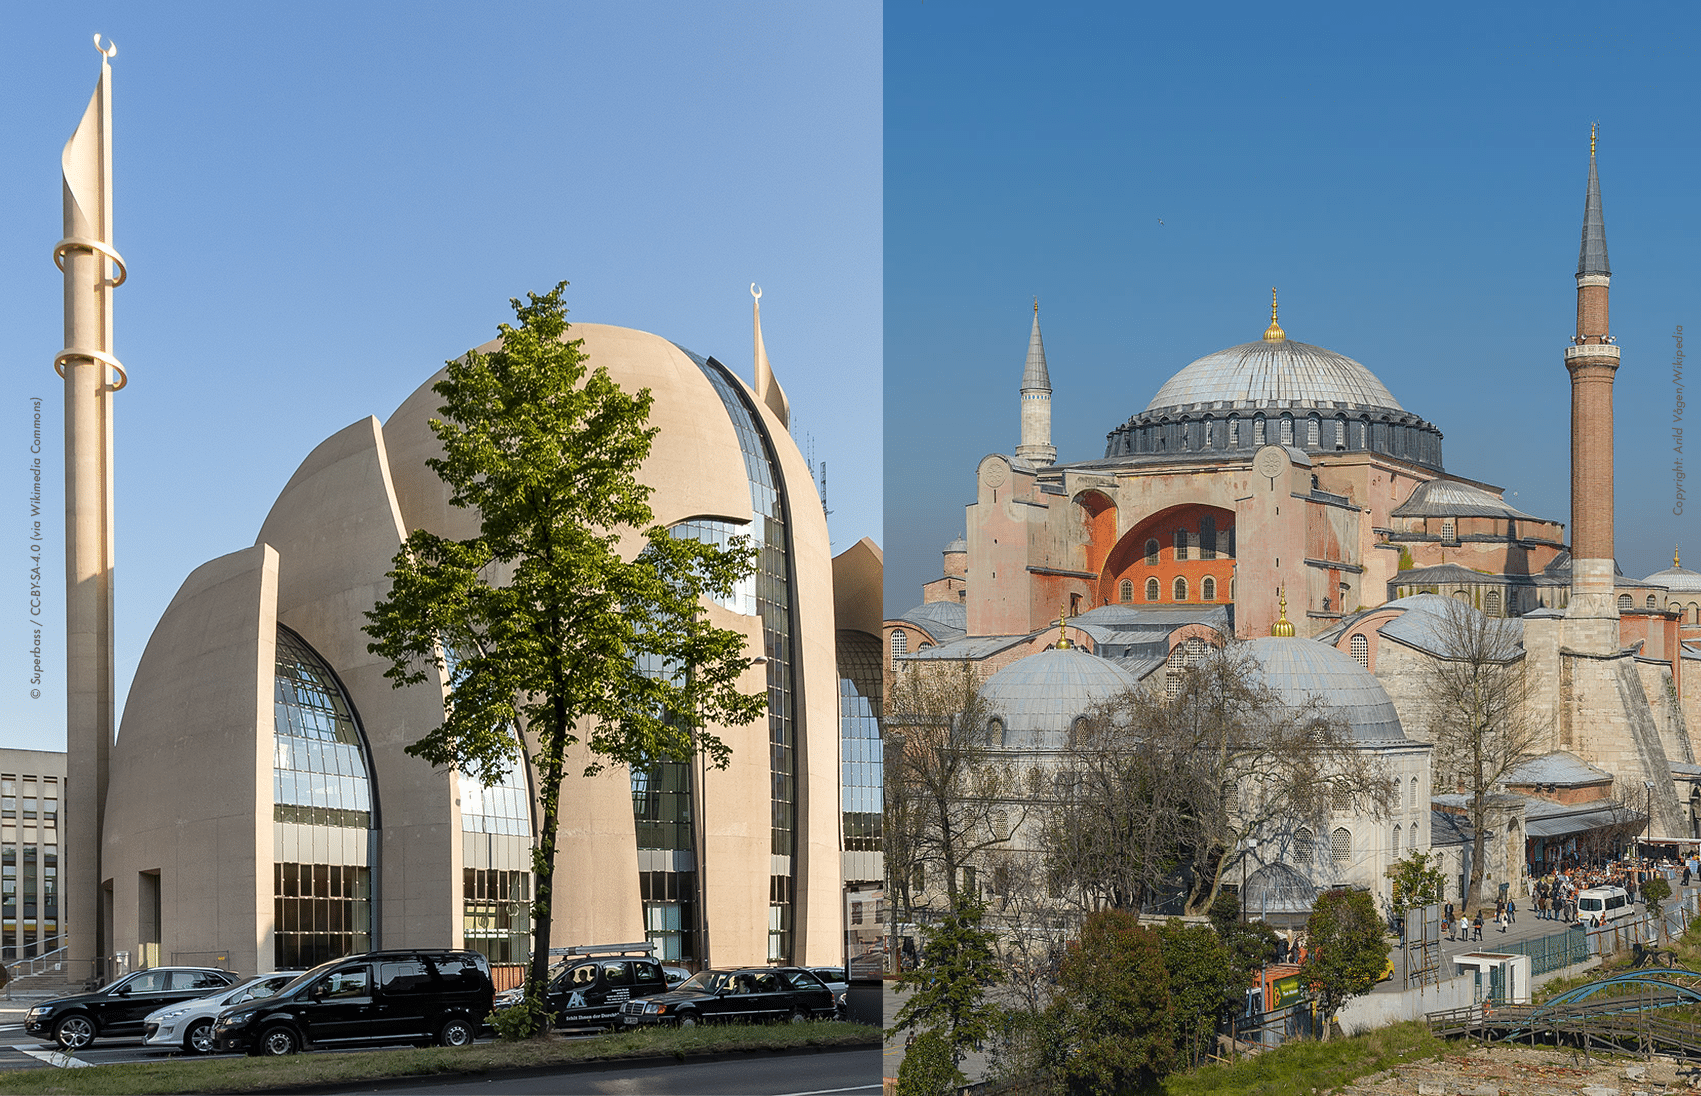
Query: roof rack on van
{"type": "Point", "coordinates": [643, 946]}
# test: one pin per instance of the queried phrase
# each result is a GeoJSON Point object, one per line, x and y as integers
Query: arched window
{"type": "Point", "coordinates": [1207, 537]}
{"type": "Point", "coordinates": [1341, 797]}
{"type": "Point", "coordinates": [1694, 613]}
{"type": "Point", "coordinates": [1304, 845]}
{"type": "Point", "coordinates": [1180, 589]}
{"type": "Point", "coordinates": [1341, 846]}
{"type": "Point", "coordinates": [1125, 591]}
{"type": "Point", "coordinates": [1411, 804]}
{"type": "Point", "coordinates": [900, 646]}
{"type": "Point", "coordinates": [1361, 650]}
{"type": "Point", "coordinates": [1000, 824]}
{"type": "Point", "coordinates": [1287, 430]}
{"type": "Point", "coordinates": [1447, 529]}
{"type": "Point", "coordinates": [1151, 589]}
{"type": "Point", "coordinates": [1181, 544]}
{"type": "Point", "coordinates": [1396, 841]}
{"type": "Point", "coordinates": [1624, 602]}
{"type": "Point", "coordinates": [1152, 552]}
{"type": "Point", "coordinates": [1340, 433]}
{"type": "Point", "coordinates": [995, 731]}
{"type": "Point", "coordinates": [1208, 589]}
{"type": "Point", "coordinates": [1651, 602]}
{"type": "Point", "coordinates": [1491, 602]}
{"type": "Point", "coordinates": [923, 646]}
{"type": "Point", "coordinates": [1078, 732]}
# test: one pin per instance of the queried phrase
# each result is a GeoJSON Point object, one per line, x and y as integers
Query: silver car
{"type": "Point", "coordinates": [188, 1025]}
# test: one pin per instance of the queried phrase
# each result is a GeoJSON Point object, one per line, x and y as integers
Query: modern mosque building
{"type": "Point", "coordinates": [267, 813]}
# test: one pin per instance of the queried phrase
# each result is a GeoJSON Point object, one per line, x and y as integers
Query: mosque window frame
{"type": "Point", "coordinates": [1304, 845]}
{"type": "Point", "coordinates": [1341, 846]}
{"type": "Point", "coordinates": [1360, 645]}
{"type": "Point", "coordinates": [1125, 591]}
{"type": "Point", "coordinates": [1491, 603]}
{"type": "Point", "coordinates": [1625, 602]}
{"type": "Point", "coordinates": [995, 732]}
{"type": "Point", "coordinates": [1208, 588]}
{"type": "Point", "coordinates": [1179, 588]}
{"type": "Point", "coordinates": [1397, 841]}
{"type": "Point", "coordinates": [1153, 590]}
{"type": "Point", "coordinates": [1153, 552]}
{"type": "Point", "coordinates": [1207, 537]}
{"type": "Point", "coordinates": [900, 645]}
{"type": "Point", "coordinates": [1449, 531]}
{"type": "Point", "coordinates": [1652, 602]}
{"type": "Point", "coordinates": [1181, 545]}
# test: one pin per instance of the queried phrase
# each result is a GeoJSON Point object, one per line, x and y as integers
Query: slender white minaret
{"type": "Point", "coordinates": [92, 374]}
{"type": "Point", "coordinates": [1036, 402]}
{"type": "Point", "coordinates": [768, 389]}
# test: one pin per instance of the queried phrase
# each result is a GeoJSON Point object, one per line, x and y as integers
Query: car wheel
{"type": "Point", "coordinates": [688, 1019]}
{"type": "Point", "coordinates": [798, 1016]}
{"type": "Point", "coordinates": [456, 1033]}
{"type": "Point", "coordinates": [74, 1032]}
{"type": "Point", "coordinates": [275, 1042]}
{"type": "Point", "coordinates": [199, 1038]}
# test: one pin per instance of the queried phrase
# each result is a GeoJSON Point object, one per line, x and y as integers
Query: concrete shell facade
{"type": "Point", "coordinates": [196, 870]}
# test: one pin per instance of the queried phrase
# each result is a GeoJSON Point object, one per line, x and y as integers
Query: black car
{"type": "Point", "coordinates": [120, 1008]}
{"type": "Point", "coordinates": [591, 992]}
{"type": "Point", "coordinates": [408, 995]}
{"type": "Point", "coordinates": [751, 994]}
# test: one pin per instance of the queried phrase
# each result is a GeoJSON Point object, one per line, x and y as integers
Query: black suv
{"type": "Point", "coordinates": [118, 1009]}
{"type": "Point", "coordinates": [408, 995]}
{"type": "Point", "coordinates": [754, 993]}
{"type": "Point", "coordinates": [591, 991]}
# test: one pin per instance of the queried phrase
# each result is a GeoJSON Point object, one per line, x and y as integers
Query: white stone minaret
{"type": "Point", "coordinates": [92, 374]}
{"type": "Point", "coordinates": [1036, 446]}
{"type": "Point", "coordinates": [768, 388]}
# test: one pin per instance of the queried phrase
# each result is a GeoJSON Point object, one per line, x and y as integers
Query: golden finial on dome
{"type": "Point", "coordinates": [1036, 305]}
{"type": "Point", "coordinates": [1674, 561]}
{"type": "Point", "coordinates": [1594, 128]}
{"type": "Point", "coordinates": [1063, 643]}
{"type": "Point", "coordinates": [1283, 626]}
{"type": "Point", "coordinates": [1274, 332]}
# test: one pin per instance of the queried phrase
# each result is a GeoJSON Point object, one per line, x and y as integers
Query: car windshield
{"type": "Point", "coordinates": [706, 981]}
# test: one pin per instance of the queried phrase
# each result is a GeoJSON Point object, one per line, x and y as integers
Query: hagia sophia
{"type": "Point", "coordinates": [1281, 467]}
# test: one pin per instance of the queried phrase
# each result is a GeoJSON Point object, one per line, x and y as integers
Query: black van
{"type": "Point", "coordinates": [594, 982]}
{"type": "Point", "coordinates": [408, 995]}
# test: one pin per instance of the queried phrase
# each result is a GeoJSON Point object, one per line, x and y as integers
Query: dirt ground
{"type": "Point", "coordinates": [1521, 1071]}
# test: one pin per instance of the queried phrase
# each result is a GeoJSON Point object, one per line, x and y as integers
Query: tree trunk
{"type": "Point", "coordinates": [543, 859]}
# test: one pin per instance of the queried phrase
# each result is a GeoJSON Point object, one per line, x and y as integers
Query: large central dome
{"type": "Point", "coordinates": [1271, 371]}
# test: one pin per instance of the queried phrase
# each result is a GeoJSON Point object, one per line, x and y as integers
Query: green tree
{"type": "Point", "coordinates": [1348, 949]}
{"type": "Point", "coordinates": [1417, 881]}
{"type": "Point", "coordinates": [1112, 1011]}
{"type": "Point", "coordinates": [1251, 944]}
{"type": "Point", "coordinates": [958, 965]}
{"type": "Point", "coordinates": [1655, 891]}
{"type": "Point", "coordinates": [1197, 961]}
{"type": "Point", "coordinates": [550, 627]}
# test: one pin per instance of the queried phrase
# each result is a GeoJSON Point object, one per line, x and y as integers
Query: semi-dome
{"type": "Point", "coordinates": [1300, 670]}
{"type": "Point", "coordinates": [1273, 370]}
{"type": "Point", "coordinates": [1044, 693]}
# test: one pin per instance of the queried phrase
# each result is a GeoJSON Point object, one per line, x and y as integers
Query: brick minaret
{"type": "Point", "coordinates": [1592, 360]}
{"type": "Point", "coordinates": [1036, 444]}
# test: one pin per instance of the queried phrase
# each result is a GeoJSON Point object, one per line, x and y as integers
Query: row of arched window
{"type": "Point", "coordinates": [1412, 439]}
{"type": "Point", "coordinates": [1185, 542]}
{"type": "Point", "coordinates": [1207, 590]}
{"type": "Point", "coordinates": [1340, 845]}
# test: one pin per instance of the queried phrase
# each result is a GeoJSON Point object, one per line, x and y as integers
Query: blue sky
{"type": "Point", "coordinates": [1412, 180]}
{"type": "Point", "coordinates": [319, 203]}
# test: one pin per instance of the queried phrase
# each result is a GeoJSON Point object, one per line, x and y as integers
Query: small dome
{"type": "Point", "coordinates": [1277, 889]}
{"type": "Point", "coordinates": [1267, 371]}
{"type": "Point", "coordinates": [1047, 691]}
{"type": "Point", "coordinates": [958, 545]}
{"type": "Point", "coordinates": [1300, 669]}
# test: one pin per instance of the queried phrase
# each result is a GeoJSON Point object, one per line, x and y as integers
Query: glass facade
{"type": "Point", "coordinates": [722, 534]}
{"type": "Point", "coordinates": [859, 748]}
{"type": "Point", "coordinates": [773, 601]}
{"type": "Point", "coordinates": [503, 807]}
{"type": "Point", "coordinates": [498, 913]}
{"type": "Point", "coordinates": [29, 864]}
{"type": "Point", "coordinates": [320, 790]}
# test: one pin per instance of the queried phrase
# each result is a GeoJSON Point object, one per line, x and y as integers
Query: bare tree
{"type": "Point", "coordinates": [1160, 788]}
{"type": "Point", "coordinates": [1478, 715]}
{"type": "Point", "coordinates": [951, 790]}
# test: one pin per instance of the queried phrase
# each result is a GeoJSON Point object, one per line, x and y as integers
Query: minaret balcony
{"type": "Point", "coordinates": [1591, 350]}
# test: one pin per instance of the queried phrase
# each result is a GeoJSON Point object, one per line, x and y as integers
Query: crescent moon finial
{"type": "Point", "coordinates": [109, 51]}
{"type": "Point", "coordinates": [755, 291]}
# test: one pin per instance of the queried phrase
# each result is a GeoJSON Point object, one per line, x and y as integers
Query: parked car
{"type": "Point", "coordinates": [189, 1025]}
{"type": "Point", "coordinates": [406, 995]}
{"type": "Point", "coordinates": [751, 994]}
{"type": "Point", "coordinates": [836, 980]}
{"type": "Point", "coordinates": [590, 992]}
{"type": "Point", "coordinates": [674, 975]}
{"type": "Point", "coordinates": [120, 1008]}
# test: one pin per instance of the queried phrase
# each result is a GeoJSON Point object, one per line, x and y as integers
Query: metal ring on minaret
{"type": "Point", "coordinates": [71, 242]}
{"type": "Point", "coordinates": [72, 353]}
{"type": "Point", "coordinates": [755, 291]}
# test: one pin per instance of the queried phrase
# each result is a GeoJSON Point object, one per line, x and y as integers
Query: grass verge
{"type": "Point", "coordinates": [1301, 1068]}
{"type": "Point", "coordinates": [308, 1070]}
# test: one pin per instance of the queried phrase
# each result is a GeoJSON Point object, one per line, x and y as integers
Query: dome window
{"type": "Point", "coordinates": [1125, 591]}
{"type": "Point", "coordinates": [1624, 602]}
{"type": "Point", "coordinates": [995, 732]}
{"type": "Point", "coordinates": [1651, 602]}
{"type": "Point", "coordinates": [1361, 650]}
{"type": "Point", "coordinates": [1151, 589]}
{"type": "Point", "coordinates": [1448, 531]}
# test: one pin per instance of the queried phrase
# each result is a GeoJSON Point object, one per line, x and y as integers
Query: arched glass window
{"type": "Point", "coordinates": [1180, 589]}
{"type": "Point", "coordinates": [1412, 802]}
{"type": "Point", "coordinates": [1491, 602]}
{"type": "Point", "coordinates": [1651, 602]}
{"type": "Point", "coordinates": [1181, 544]}
{"type": "Point", "coordinates": [1447, 529]}
{"type": "Point", "coordinates": [1207, 537]}
{"type": "Point", "coordinates": [1341, 845]}
{"type": "Point", "coordinates": [1152, 552]}
{"type": "Point", "coordinates": [1694, 613]}
{"type": "Point", "coordinates": [1312, 431]}
{"type": "Point", "coordinates": [995, 731]}
{"type": "Point", "coordinates": [1361, 650]}
{"type": "Point", "coordinates": [1624, 602]}
{"type": "Point", "coordinates": [900, 646]}
{"type": "Point", "coordinates": [1151, 589]}
{"type": "Point", "coordinates": [1396, 841]}
{"type": "Point", "coordinates": [1208, 589]}
{"type": "Point", "coordinates": [1125, 591]}
{"type": "Point", "coordinates": [1304, 845]}
{"type": "Point", "coordinates": [320, 788]}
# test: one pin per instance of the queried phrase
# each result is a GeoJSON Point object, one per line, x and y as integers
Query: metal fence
{"type": "Point", "coordinates": [1551, 953]}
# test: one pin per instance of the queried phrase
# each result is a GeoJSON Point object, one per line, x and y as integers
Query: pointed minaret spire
{"type": "Point", "coordinates": [768, 389]}
{"type": "Point", "coordinates": [1592, 361]}
{"type": "Point", "coordinates": [1274, 332]}
{"type": "Point", "coordinates": [1036, 402]}
{"type": "Point", "coordinates": [1592, 256]}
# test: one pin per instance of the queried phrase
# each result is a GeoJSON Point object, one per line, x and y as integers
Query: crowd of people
{"type": "Point", "coordinates": [1553, 896]}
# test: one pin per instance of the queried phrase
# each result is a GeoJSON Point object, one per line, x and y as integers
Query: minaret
{"type": "Point", "coordinates": [92, 374]}
{"type": "Point", "coordinates": [1592, 360]}
{"type": "Point", "coordinates": [1036, 444]}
